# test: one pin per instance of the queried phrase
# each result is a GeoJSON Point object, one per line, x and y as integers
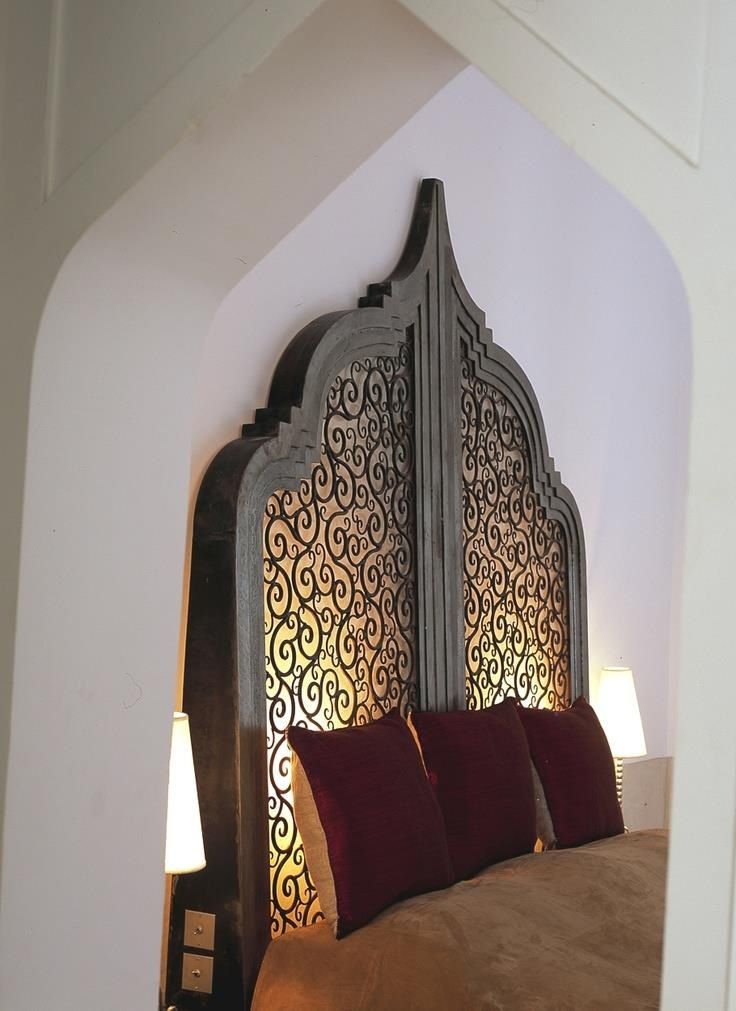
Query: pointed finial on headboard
{"type": "Point", "coordinates": [428, 226]}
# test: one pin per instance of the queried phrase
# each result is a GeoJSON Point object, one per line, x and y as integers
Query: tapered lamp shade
{"type": "Point", "coordinates": [184, 846]}
{"type": "Point", "coordinates": [618, 711]}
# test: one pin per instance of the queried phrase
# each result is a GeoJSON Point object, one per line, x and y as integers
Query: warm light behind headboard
{"type": "Point", "coordinates": [339, 594]}
{"type": "Point", "coordinates": [514, 561]}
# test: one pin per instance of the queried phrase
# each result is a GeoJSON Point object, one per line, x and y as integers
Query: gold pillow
{"type": "Point", "coordinates": [314, 840]}
{"type": "Point", "coordinates": [545, 828]}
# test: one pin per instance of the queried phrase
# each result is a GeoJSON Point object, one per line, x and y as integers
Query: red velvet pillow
{"type": "Point", "coordinates": [478, 763]}
{"type": "Point", "coordinates": [383, 829]}
{"type": "Point", "coordinates": [574, 762]}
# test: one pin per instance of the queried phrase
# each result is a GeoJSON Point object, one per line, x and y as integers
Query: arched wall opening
{"type": "Point", "coordinates": [153, 351]}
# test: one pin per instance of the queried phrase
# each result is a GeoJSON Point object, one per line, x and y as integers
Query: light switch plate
{"type": "Point", "coordinates": [199, 930]}
{"type": "Point", "coordinates": [196, 972]}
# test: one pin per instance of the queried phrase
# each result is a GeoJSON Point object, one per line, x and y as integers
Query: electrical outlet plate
{"type": "Point", "coordinates": [196, 972]}
{"type": "Point", "coordinates": [199, 930]}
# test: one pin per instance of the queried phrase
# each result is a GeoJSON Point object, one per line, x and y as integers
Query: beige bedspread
{"type": "Point", "coordinates": [570, 929]}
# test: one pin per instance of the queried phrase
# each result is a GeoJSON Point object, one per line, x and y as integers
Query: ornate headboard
{"type": "Point", "coordinates": [389, 531]}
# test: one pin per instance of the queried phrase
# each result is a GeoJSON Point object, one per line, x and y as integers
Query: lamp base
{"type": "Point", "coordinates": [618, 763]}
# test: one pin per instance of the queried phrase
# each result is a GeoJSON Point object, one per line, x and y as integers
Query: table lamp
{"type": "Point", "coordinates": [184, 846]}
{"type": "Point", "coordinates": [618, 711]}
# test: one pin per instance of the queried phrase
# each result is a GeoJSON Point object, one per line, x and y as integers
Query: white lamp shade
{"type": "Point", "coordinates": [618, 711]}
{"type": "Point", "coordinates": [184, 846]}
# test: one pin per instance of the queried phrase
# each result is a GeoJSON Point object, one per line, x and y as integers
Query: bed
{"type": "Point", "coordinates": [576, 928]}
{"type": "Point", "coordinates": [390, 533]}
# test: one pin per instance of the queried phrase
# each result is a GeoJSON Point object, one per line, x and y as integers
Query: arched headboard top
{"type": "Point", "coordinates": [390, 530]}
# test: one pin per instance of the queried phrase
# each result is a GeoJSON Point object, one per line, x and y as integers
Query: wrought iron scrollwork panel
{"type": "Point", "coordinates": [339, 593]}
{"type": "Point", "coordinates": [515, 587]}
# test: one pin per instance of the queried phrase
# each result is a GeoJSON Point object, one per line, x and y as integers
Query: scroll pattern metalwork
{"type": "Point", "coordinates": [515, 588]}
{"type": "Point", "coordinates": [339, 593]}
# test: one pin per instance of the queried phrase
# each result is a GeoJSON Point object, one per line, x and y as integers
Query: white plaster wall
{"type": "Point", "coordinates": [575, 285]}
{"type": "Point", "coordinates": [149, 99]}
{"type": "Point", "coordinates": [690, 203]}
{"type": "Point", "coordinates": [662, 85]}
{"type": "Point", "coordinates": [107, 489]}
{"type": "Point", "coordinates": [98, 40]}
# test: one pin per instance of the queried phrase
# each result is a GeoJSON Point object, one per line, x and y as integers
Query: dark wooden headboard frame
{"type": "Point", "coordinates": [423, 300]}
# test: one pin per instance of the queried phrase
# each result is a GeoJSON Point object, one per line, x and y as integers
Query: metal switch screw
{"type": "Point", "coordinates": [197, 971]}
{"type": "Point", "coordinates": [199, 930]}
